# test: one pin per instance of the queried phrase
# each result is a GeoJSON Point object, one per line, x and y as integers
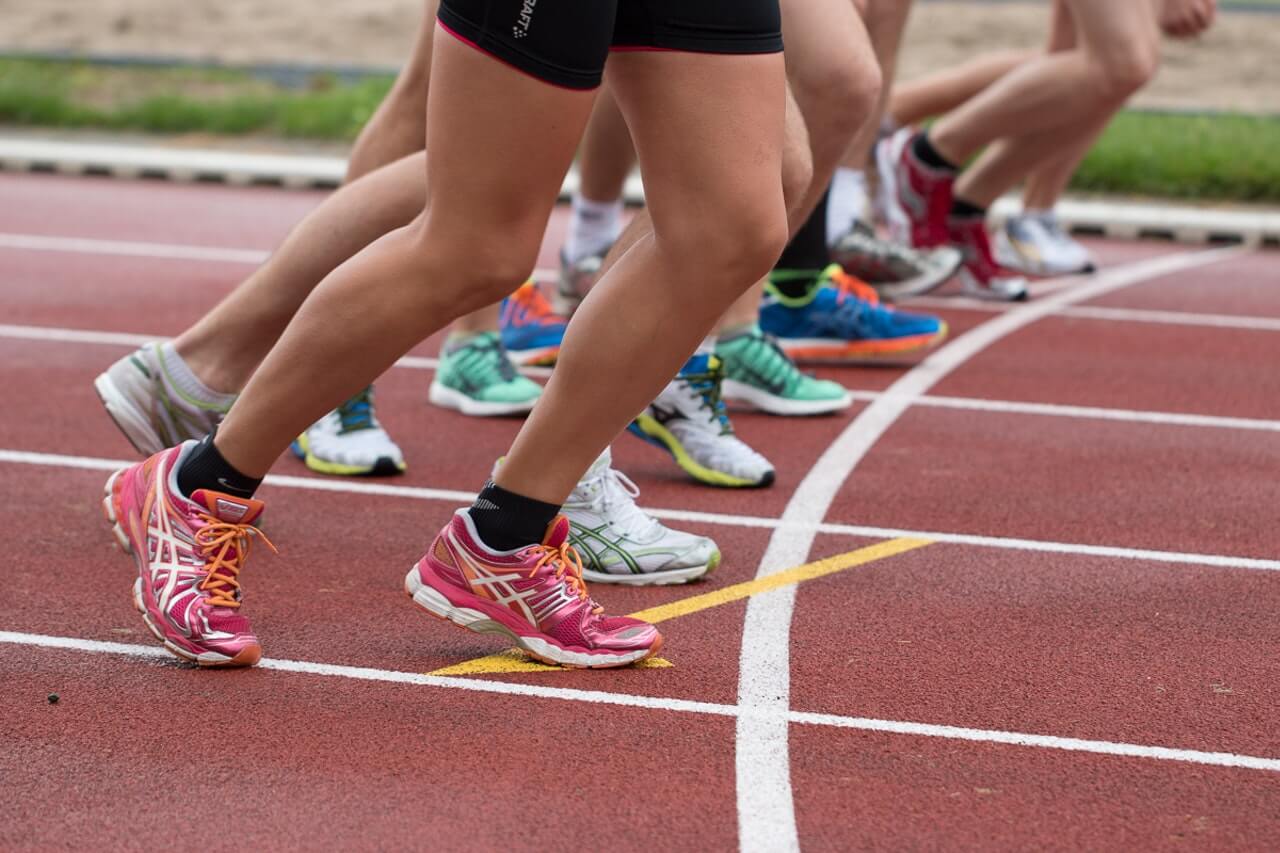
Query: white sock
{"type": "Point", "coordinates": [594, 226]}
{"type": "Point", "coordinates": [181, 377]}
{"type": "Point", "coordinates": [847, 202]}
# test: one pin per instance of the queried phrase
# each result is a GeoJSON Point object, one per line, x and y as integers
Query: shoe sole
{"type": "Point", "coordinates": [740, 392]}
{"type": "Point", "coordinates": [540, 357]}
{"type": "Point", "coordinates": [970, 287]}
{"type": "Point", "coordinates": [248, 656]}
{"type": "Point", "coordinates": [434, 602]}
{"type": "Point", "coordinates": [449, 398]}
{"type": "Point", "coordinates": [818, 349]}
{"type": "Point", "coordinates": [384, 467]}
{"type": "Point", "coordinates": [135, 425]}
{"type": "Point", "coordinates": [645, 427]}
{"type": "Point", "coordinates": [668, 577]}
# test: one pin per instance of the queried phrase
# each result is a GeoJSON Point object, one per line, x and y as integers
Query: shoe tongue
{"type": "Point", "coordinates": [699, 363]}
{"type": "Point", "coordinates": [228, 508]}
{"type": "Point", "coordinates": [557, 532]}
{"type": "Point", "coordinates": [604, 460]}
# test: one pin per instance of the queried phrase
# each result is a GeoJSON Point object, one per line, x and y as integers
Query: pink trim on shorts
{"type": "Point", "coordinates": [469, 43]}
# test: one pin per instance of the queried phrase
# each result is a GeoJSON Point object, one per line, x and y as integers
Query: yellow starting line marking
{"type": "Point", "coordinates": [512, 660]}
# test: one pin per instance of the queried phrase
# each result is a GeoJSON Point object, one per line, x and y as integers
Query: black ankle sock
{"type": "Point", "coordinates": [204, 468]}
{"type": "Point", "coordinates": [506, 521]}
{"type": "Point", "coordinates": [961, 209]}
{"type": "Point", "coordinates": [927, 154]}
{"type": "Point", "coordinates": [808, 249]}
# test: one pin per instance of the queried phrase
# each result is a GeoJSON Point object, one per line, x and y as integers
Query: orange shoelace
{"type": "Point", "coordinates": [850, 284]}
{"type": "Point", "coordinates": [530, 297]}
{"type": "Point", "coordinates": [568, 565]}
{"type": "Point", "coordinates": [225, 547]}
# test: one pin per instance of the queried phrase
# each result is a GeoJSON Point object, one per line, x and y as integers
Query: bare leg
{"type": "Point", "coordinates": [942, 91]}
{"type": "Point", "coordinates": [1118, 53]}
{"type": "Point", "coordinates": [479, 232]}
{"type": "Point", "coordinates": [607, 155]}
{"type": "Point", "coordinates": [715, 198]}
{"type": "Point", "coordinates": [885, 22]}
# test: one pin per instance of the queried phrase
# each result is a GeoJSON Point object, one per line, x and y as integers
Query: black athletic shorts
{"type": "Point", "coordinates": [565, 42]}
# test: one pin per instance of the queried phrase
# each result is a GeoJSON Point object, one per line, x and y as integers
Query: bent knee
{"type": "Point", "coordinates": [838, 99]}
{"type": "Point", "coordinates": [735, 250]}
{"type": "Point", "coordinates": [1118, 77]}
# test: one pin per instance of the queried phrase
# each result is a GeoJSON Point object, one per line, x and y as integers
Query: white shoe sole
{"type": "Point", "coordinates": [435, 603]}
{"type": "Point", "coordinates": [670, 577]}
{"type": "Point", "coordinates": [741, 392]}
{"type": "Point", "coordinates": [450, 398]}
{"type": "Point", "coordinates": [129, 419]}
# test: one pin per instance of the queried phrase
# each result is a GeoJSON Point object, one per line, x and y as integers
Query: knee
{"type": "Point", "coordinates": [1118, 77]}
{"type": "Point", "coordinates": [735, 250]}
{"type": "Point", "coordinates": [838, 99]}
{"type": "Point", "coordinates": [488, 264]}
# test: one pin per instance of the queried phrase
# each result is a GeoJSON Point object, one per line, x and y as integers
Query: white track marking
{"type": "Point", "coordinates": [1103, 312]}
{"type": "Point", "coordinates": [44, 333]}
{"type": "Point", "coordinates": [355, 487]}
{"type": "Point", "coordinates": [766, 807]}
{"type": "Point", "coordinates": [169, 251]}
{"type": "Point", "coordinates": [686, 706]}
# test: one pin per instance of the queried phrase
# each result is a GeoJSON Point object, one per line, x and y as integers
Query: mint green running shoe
{"type": "Point", "coordinates": [760, 374]}
{"type": "Point", "coordinates": [476, 377]}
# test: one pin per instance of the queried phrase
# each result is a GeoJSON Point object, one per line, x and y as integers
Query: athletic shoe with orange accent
{"type": "Point", "coordinates": [189, 553]}
{"type": "Point", "coordinates": [842, 319]}
{"type": "Point", "coordinates": [534, 595]}
{"type": "Point", "coordinates": [531, 331]}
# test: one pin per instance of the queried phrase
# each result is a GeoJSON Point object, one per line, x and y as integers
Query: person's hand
{"type": "Point", "coordinates": [1184, 19]}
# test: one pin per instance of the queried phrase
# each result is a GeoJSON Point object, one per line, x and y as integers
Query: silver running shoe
{"type": "Point", "coordinates": [896, 272]}
{"type": "Point", "coordinates": [1037, 244]}
{"type": "Point", "coordinates": [149, 408]}
{"type": "Point", "coordinates": [621, 544]}
{"type": "Point", "coordinates": [575, 280]}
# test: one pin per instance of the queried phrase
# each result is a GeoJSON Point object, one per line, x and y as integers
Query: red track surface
{"type": "Point", "coordinates": [1176, 652]}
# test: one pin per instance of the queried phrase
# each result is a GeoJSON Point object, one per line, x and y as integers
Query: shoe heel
{"type": "Point", "coordinates": [435, 603]}
{"type": "Point", "coordinates": [109, 512]}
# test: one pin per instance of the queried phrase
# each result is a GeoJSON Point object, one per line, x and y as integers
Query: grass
{"type": "Point", "coordinates": [1202, 157]}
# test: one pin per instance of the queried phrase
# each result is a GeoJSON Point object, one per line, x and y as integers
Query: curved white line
{"type": "Point", "coordinates": [766, 806]}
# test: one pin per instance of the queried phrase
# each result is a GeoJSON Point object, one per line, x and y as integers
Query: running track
{"type": "Point", "coordinates": [1050, 623]}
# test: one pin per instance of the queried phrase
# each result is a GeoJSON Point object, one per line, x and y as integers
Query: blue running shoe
{"type": "Point", "coordinates": [531, 331]}
{"type": "Point", "coordinates": [841, 319]}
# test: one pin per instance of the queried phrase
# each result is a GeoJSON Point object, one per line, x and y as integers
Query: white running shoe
{"type": "Point", "coordinates": [621, 544]}
{"type": "Point", "coordinates": [1037, 244]}
{"type": "Point", "coordinates": [689, 421]}
{"type": "Point", "coordinates": [147, 404]}
{"type": "Point", "coordinates": [350, 442]}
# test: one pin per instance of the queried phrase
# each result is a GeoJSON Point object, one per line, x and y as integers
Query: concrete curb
{"type": "Point", "coordinates": [1123, 220]}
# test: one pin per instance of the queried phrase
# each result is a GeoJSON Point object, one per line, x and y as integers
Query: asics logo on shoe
{"type": "Point", "coordinates": [230, 510]}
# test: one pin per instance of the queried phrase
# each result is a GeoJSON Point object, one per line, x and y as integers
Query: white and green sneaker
{"type": "Point", "coordinates": [157, 402]}
{"type": "Point", "coordinates": [689, 421]}
{"type": "Point", "coordinates": [476, 377]}
{"type": "Point", "coordinates": [758, 373]}
{"type": "Point", "coordinates": [621, 544]}
{"type": "Point", "coordinates": [350, 442]}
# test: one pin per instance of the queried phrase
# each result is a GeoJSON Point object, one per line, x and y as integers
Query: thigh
{"type": "Point", "coordinates": [1114, 31]}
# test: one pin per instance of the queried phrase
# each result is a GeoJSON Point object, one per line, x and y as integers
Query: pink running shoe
{"type": "Point", "coordinates": [534, 595]}
{"type": "Point", "coordinates": [189, 554]}
{"type": "Point", "coordinates": [981, 275]}
{"type": "Point", "coordinates": [917, 198]}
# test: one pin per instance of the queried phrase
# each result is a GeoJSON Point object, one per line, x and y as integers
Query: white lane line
{"type": "Point", "coordinates": [159, 251]}
{"type": "Point", "coordinates": [353, 487]}
{"type": "Point", "coordinates": [766, 806]}
{"type": "Point", "coordinates": [129, 339]}
{"type": "Point", "coordinates": [660, 703]}
{"type": "Point", "coordinates": [1102, 312]}
{"type": "Point", "coordinates": [1055, 410]}
{"type": "Point", "coordinates": [169, 251]}
{"type": "Point", "coordinates": [124, 339]}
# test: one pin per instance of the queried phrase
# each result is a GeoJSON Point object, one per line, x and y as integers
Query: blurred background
{"type": "Point", "coordinates": [305, 75]}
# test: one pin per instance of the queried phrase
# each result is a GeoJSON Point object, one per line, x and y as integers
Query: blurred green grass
{"type": "Point", "coordinates": [1202, 157]}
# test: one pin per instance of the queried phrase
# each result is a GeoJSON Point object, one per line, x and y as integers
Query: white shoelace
{"type": "Point", "coordinates": [613, 495]}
